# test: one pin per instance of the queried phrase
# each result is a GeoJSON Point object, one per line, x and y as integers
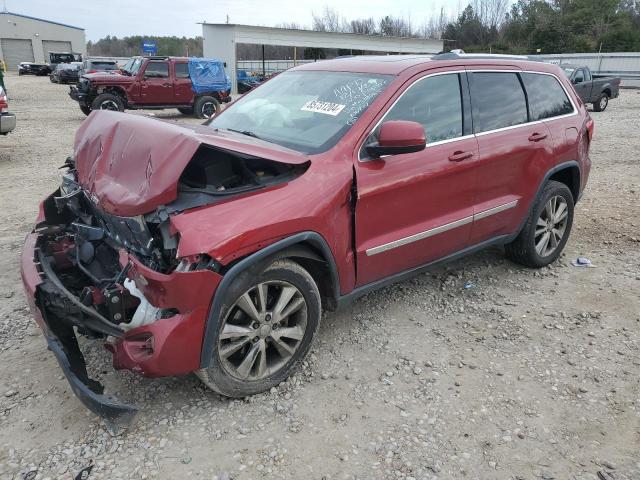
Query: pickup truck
{"type": "Point", "coordinates": [147, 83]}
{"type": "Point", "coordinates": [592, 88]}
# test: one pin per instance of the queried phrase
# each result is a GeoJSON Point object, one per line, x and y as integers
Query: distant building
{"type": "Point", "coordinates": [29, 39]}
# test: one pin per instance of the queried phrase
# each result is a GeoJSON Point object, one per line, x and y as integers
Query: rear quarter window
{"type": "Point", "coordinates": [498, 100]}
{"type": "Point", "coordinates": [547, 98]}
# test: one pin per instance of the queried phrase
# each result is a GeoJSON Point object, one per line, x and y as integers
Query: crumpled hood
{"type": "Point", "coordinates": [131, 164]}
{"type": "Point", "coordinates": [106, 77]}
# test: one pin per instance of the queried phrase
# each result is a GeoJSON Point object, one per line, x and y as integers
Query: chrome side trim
{"type": "Point", "coordinates": [494, 210]}
{"type": "Point", "coordinates": [418, 236]}
{"type": "Point", "coordinates": [441, 229]}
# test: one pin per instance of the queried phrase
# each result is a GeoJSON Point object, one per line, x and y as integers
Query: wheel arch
{"type": "Point", "coordinates": [309, 249]}
{"type": "Point", "coordinates": [564, 172]}
{"type": "Point", "coordinates": [570, 176]}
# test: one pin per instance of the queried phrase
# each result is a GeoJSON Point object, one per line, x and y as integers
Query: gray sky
{"type": "Point", "coordinates": [179, 17]}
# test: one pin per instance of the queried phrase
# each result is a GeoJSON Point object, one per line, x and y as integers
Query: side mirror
{"type": "Point", "coordinates": [396, 137]}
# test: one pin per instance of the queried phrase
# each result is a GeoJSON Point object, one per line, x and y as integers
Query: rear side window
{"type": "Point", "coordinates": [182, 70]}
{"type": "Point", "coordinates": [547, 98]}
{"type": "Point", "coordinates": [436, 103]}
{"type": "Point", "coordinates": [157, 70]}
{"type": "Point", "coordinates": [498, 101]}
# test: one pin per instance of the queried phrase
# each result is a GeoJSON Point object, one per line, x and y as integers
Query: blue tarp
{"type": "Point", "coordinates": [208, 75]}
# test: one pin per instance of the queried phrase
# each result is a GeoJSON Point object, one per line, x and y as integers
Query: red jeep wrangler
{"type": "Point", "coordinates": [147, 83]}
{"type": "Point", "coordinates": [213, 249]}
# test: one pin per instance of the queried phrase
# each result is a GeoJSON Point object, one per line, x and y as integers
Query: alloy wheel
{"type": "Point", "coordinates": [551, 225]}
{"type": "Point", "coordinates": [208, 109]}
{"type": "Point", "coordinates": [262, 330]}
{"type": "Point", "coordinates": [109, 105]}
{"type": "Point", "coordinates": [604, 100]}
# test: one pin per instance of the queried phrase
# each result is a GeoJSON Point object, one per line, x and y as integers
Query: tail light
{"type": "Point", "coordinates": [4, 106]}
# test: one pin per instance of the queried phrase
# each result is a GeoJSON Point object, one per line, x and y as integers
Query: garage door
{"type": "Point", "coordinates": [15, 51]}
{"type": "Point", "coordinates": [54, 46]}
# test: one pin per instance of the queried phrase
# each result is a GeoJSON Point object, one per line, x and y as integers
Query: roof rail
{"type": "Point", "coordinates": [478, 56]}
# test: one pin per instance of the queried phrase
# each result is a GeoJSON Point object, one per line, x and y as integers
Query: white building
{"type": "Point", "coordinates": [29, 39]}
{"type": "Point", "coordinates": [220, 41]}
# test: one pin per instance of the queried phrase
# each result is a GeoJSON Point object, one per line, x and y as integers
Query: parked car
{"type": "Point", "coordinates": [7, 120]}
{"type": "Point", "coordinates": [150, 83]}
{"type": "Point", "coordinates": [99, 65]}
{"type": "Point", "coordinates": [66, 73]}
{"type": "Point", "coordinates": [56, 58]}
{"type": "Point", "coordinates": [213, 249]}
{"type": "Point", "coordinates": [595, 89]}
{"type": "Point", "coordinates": [29, 68]}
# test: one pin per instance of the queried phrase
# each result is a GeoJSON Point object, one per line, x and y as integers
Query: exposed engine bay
{"type": "Point", "coordinates": [81, 244]}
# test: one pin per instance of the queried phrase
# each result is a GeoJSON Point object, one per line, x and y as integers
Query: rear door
{"type": "Point", "coordinates": [156, 87]}
{"type": "Point", "coordinates": [182, 91]}
{"type": "Point", "coordinates": [417, 207]}
{"type": "Point", "coordinates": [512, 152]}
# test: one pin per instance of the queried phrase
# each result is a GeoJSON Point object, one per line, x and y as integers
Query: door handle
{"type": "Point", "coordinates": [536, 137]}
{"type": "Point", "coordinates": [166, 84]}
{"type": "Point", "coordinates": [458, 156]}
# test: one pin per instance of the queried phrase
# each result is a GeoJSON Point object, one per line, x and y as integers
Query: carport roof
{"type": "Point", "coordinates": [40, 19]}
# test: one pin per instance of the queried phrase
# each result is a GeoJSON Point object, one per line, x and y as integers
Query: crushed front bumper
{"type": "Point", "coordinates": [78, 96]}
{"type": "Point", "coordinates": [168, 346]}
{"type": "Point", "coordinates": [62, 341]}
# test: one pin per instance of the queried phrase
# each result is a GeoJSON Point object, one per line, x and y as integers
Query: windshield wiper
{"type": "Point", "coordinates": [248, 133]}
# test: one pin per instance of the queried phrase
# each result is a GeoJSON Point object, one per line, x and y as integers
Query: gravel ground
{"type": "Point", "coordinates": [526, 375]}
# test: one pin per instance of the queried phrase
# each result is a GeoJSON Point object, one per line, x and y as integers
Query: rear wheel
{"type": "Point", "coordinates": [206, 107]}
{"type": "Point", "coordinates": [266, 327]}
{"type": "Point", "coordinates": [186, 111]}
{"type": "Point", "coordinates": [85, 109]}
{"type": "Point", "coordinates": [546, 230]}
{"type": "Point", "coordinates": [108, 101]}
{"type": "Point", "coordinates": [602, 103]}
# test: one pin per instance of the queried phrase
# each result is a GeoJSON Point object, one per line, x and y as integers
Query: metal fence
{"type": "Point", "coordinates": [623, 65]}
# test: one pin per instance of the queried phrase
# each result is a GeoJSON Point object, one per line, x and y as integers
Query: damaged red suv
{"type": "Point", "coordinates": [213, 249]}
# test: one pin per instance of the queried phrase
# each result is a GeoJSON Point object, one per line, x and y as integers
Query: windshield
{"type": "Point", "coordinates": [103, 65]}
{"type": "Point", "coordinates": [132, 66]}
{"type": "Point", "coordinates": [61, 57]}
{"type": "Point", "coordinates": [568, 71]}
{"type": "Point", "coordinates": [305, 111]}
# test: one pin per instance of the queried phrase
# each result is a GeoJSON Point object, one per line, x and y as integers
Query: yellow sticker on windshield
{"type": "Point", "coordinates": [327, 108]}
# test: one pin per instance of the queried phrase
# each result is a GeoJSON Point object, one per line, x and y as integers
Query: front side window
{"type": "Point", "coordinates": [182, 70]}
{"type": "Point", "coordinates": [579, 78]}
{"type": "Point", "coordinates": [498, 100]}
{"type": "Point", "coordinates": [436, 103]}
{"type": "Point", "coordinates": [547, 98]}
{"type": "Point", "coordinates": [157, 70]}
{"type": "Point", "coordinates": [307, 111]}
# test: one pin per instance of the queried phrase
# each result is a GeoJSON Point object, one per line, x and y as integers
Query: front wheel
{"type": "Point", "coordinates": [266, 327]}
{"type": "Point", "coordinates": [602, 103]}
{"type": "Point", "coordinates": [546, 230]}
{"type": "Point", "coordinates": [206, 107]}
{"type": "Point", "coordinates": [108, 101]}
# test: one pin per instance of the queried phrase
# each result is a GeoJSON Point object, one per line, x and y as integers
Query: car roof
{"type": "Point", "coordinates": [396, 64]}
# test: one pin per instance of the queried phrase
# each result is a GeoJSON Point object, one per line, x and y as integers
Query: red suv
{"type": "Point", "coordinates": [213, 249]}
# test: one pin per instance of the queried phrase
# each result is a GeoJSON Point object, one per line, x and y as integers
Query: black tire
{"type": "Point", "coordinates": [206, 107]}
{"type": "Point", "coordinates": [186, 111]}
{"type": "Point", "coordinates": [602, 103]}
{"type": "Point", "coordinates": [108, 101]}
{"type": "Point", "coordinates": [523, 249]}
{"type": "Point", "coordinates": [217, 376]}
{"type": "Point", "coordinates": [86, 109]}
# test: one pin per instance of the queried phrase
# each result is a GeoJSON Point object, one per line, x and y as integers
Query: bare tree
{"type": "Point", "coordinates": [329, 20]}
{"type": "Point", "coordinates": [366, 26]}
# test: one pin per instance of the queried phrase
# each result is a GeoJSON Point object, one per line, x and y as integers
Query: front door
{"type": "Point", "coordinates": [414, 208]}
{"type": "Point", "coordinates": [582, 83]}
{"type": "Point", "coordinates": [156, 87]}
